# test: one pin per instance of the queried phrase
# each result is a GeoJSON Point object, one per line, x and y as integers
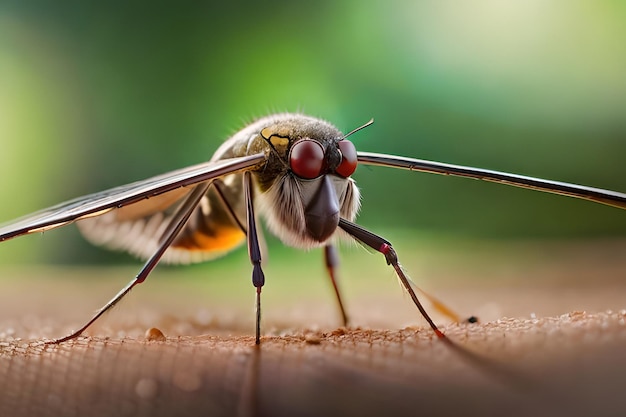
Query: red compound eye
{"type": "Point", "coordinates": [307, 159]}
{"type": "Point", "coordinates": [348, 159]}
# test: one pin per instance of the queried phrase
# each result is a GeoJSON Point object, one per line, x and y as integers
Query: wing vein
{"type": "Point", "coordinates": [117, 197]}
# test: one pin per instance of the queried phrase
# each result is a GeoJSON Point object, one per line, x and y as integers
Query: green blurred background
{"type": "Point", "coordinates": [100, 94]}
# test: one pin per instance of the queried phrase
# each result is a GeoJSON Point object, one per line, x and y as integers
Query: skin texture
{"type": "Point", "coordinates": [517, 366]}
{"type": "Point", "coordinates": [564, 361]}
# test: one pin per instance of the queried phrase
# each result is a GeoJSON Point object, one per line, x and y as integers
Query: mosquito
{"type": "Point", "coordinates": [292, 169]}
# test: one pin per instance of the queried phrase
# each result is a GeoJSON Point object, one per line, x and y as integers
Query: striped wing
{"type": "Point", "coordinates": [143, 194]}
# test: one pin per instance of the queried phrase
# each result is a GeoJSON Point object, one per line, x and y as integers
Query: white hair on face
{"type": "Point", "coordinates": [350, 205]}
{"type": "Point", "coordinates": [283, 208]}
{"type": "Point", "coordinates": [350, 201]}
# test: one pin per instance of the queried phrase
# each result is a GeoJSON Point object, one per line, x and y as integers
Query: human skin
{"type": "Point", "coordinates": [551, 341]}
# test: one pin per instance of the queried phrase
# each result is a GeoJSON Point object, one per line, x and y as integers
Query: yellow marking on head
{"type": "Point", "coordinates": [280, 140]}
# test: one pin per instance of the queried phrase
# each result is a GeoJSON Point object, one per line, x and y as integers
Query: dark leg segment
{"type": "Point", "coordinates": [217, 184]}
{"type": "Point", "coordinates": [331, 258]}
{"type": "Point", "coordinates": [258, 278]}
{"type": "Point", "coordinates": [176, 224]}
{"type": "Point", "coordinates": [383, 246]}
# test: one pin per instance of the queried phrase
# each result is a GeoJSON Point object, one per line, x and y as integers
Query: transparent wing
{"type": "Point", "coordinates": [125, 195]}
{"type": "Point", "coordinates": [211, 231]}
{"type": "Point", "coordinates": [598, 195]}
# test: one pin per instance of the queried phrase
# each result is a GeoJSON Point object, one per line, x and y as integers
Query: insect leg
{"type": "Point", "coordinates": [331, 258]}
{"type": "Point", "coordinates": [218, 185]}
{"type": "Point", "coordinates": [178, 221]}
{"type": "Point", "coordinates": [442, 308]}
{"type": "Point", "coordinates": [383, 246]}
{"type": "Point", "coordinates": [254, 251]}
